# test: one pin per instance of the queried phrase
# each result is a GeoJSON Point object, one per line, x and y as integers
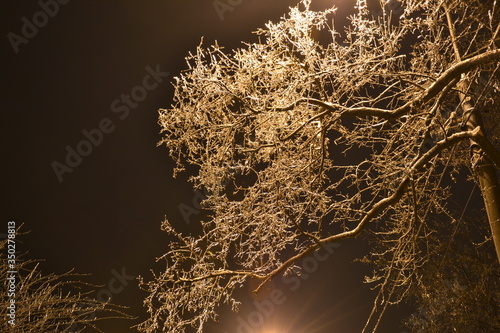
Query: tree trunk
{"type": "Point", "coordinates": [483, 167]}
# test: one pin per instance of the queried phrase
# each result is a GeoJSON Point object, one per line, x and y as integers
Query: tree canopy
{"type": "Point", "coordinates": [316, 133]}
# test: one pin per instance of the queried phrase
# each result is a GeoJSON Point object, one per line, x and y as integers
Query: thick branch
{"type": "Point", "coordinates": [380, 205]}
{"type": "Point", "coordinates": [222, 273]}
{"type": "Point", "coordinates": [492, 153]}
{"type": "Point", "coordinates": [432, 91]}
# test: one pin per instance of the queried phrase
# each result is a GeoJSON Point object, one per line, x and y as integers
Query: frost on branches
{"type": "Point", "coordinates": [49, 303]}
{"type": "Point", "coordinates": [313, 135]}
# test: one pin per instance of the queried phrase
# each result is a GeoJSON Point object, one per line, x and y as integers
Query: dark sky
{"type": "Point", "coordinates": [68, 79]}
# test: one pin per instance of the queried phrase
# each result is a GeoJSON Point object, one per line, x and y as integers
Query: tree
{"type": "Point", "coordinates": [34, 302]}
{"type": "Point", "coordinates": [312, 135]}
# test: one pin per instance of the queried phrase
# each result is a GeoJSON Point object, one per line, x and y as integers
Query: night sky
{"type": "Point", "coordinates": [90, 79]}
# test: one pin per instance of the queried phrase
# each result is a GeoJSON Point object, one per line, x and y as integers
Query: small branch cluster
{"type": "Point", "coordinates": [49, 303]}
